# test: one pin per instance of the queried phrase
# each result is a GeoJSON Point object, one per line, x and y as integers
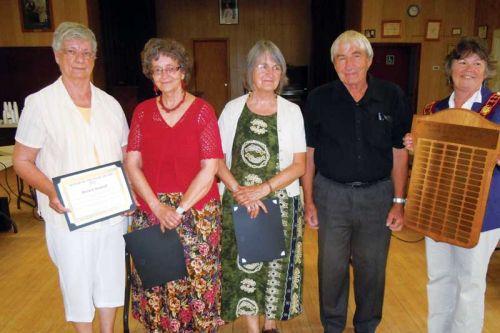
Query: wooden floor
{"type": "Point", "coordinates": [30, 300]}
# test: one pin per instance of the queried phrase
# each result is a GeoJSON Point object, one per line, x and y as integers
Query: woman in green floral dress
{"type": "Point", "coordinates": [264, 146]}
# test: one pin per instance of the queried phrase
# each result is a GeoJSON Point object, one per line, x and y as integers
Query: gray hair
{"type": "Point", "coordinates": [155, 47]}
{"type": "Point", "coordinates": [351, 37]}
{"type": "Point", "coordinates": [466, 47]}
{"type": "Point", "coordinates": [72, 30]}
{"type": "Point", "coordinates": [260, 48]}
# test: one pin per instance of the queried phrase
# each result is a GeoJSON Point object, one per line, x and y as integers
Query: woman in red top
{"type": "Point", "coordinates": [173, 148]}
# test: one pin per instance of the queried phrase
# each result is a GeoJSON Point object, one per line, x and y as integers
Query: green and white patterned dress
{"type": "Point", "coordinates": [270, 288]}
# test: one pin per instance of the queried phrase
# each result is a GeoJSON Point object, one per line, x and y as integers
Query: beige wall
{"type": "Point", "coordinates": [62, 10]}
{"type": "Point", "coordinates": [285, 22]}
{"type": "Point", "coordinates": [452, 13]}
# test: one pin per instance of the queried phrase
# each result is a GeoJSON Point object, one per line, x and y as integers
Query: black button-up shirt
{"type": "Point", "coordinates": [353, 141]}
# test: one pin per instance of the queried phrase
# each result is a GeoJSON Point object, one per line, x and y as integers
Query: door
{"type": "Point", "coordinates": [211, 71]}
{"type": "Point", "coordinates": [398, 63]}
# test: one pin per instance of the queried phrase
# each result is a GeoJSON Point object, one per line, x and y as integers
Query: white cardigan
{"type": "Point", "coordinates": [51, 122]}
{"type": "Point", "coordinates": [291, 135]}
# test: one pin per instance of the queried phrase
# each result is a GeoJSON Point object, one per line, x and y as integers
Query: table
{"type": "Point", "coordinates": [5, 163]}
{"type": "Point", "coordinates": [7, 134]}
{"type": "Point", "coordinates": [21, 195]}
{"type": "Point", "coordinates": [7, 150]}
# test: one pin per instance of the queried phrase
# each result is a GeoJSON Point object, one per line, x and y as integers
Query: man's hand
{"type": "Point", "coordinates": [395, 217]}
{"type": "Point", "coordinates": [311, 215]}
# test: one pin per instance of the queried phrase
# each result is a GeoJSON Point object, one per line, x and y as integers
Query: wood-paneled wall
{"type": "Point", "coordinates": [81, 11]}
{"type": "Point", "coordinates": [452, 13]}
{"type": "Point", "coordinates": [487, 13]}
{"type": "Point", "coordinates": [285, 22]}
{"type": "Point", "coordinates": [62, 10]}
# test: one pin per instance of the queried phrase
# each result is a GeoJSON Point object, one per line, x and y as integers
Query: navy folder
{"type": "Point", "coordinates": [158, 257]}
{"type": "Point", "coordinates": [260, 239]}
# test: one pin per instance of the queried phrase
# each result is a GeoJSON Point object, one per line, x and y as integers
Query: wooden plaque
{"type": "Point", "coordinates": [455, 154]}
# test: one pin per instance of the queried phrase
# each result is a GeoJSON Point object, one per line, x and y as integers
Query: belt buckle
{"type": "Point", "coordinates": [356, 184]}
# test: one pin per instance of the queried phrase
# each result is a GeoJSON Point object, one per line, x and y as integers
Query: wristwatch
{"type": "Point", "coordinates": [179, 210]}
{"type": "Point", "coordinates": [399, 200]}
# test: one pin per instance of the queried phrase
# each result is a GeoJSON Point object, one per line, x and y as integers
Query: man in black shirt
{"type": "Point", "coordinates": [355, 181]}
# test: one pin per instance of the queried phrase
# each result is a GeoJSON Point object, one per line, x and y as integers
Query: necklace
{"type": "Point", "coordinates": [168, 110]}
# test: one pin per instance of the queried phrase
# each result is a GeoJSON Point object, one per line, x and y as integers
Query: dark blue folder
{"type": "Point", "coordinates": [260, 239]}
{"type": "Point", "coordinates": [158, 257]}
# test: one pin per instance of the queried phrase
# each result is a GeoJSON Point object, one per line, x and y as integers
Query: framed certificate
{"type": "Point", "coordinates": [456, 31]}
{"type": "Point", "coordinates": [482, 31]}
{"type": "Point", "coordinates": [391, 28]}
{"type": "Point", "coordinates": [432, 30]}
{"type": "Point", "coordinates": [93, 195]}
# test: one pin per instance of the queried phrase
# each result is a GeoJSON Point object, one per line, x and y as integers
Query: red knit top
{"type": "Point", "coordinates": [171, 156]}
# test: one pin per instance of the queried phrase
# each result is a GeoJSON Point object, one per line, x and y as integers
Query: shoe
{"type": "Point", "coordinates": [271, 330]}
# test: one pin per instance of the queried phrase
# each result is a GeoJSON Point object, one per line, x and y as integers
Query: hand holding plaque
{"type": "Point", "coordinates": [455, 154]}
{"type": "Point", "coordinates": [94, 194]}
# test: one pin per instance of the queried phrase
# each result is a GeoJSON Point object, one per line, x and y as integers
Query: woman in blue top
{"type": "Point", "coordinates": [457, 276]}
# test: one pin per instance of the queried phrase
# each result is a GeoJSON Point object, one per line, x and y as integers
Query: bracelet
{"type": "Point", "coordinates": [270, 186]}
{"type": "Point", "coordinates": [399, 200]}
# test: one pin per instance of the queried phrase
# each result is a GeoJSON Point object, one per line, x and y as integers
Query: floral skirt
{"type": "Point", "coordinates": [191, 304]}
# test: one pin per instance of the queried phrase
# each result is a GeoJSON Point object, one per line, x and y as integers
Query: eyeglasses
{"type": "Point", "coordinates": [73, 53]}
{"type": "Point", "coordinates": [265, 67]}
{"type": "Point", "coordinates": [158, 71]}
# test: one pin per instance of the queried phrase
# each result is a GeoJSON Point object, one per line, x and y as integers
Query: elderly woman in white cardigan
{"type": "Point", "coordinates": [69, 126]}
{"type": "Point", "coordinates": [264, 145]}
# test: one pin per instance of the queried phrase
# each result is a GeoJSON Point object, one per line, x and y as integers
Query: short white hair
{"type": "Point", "coordinates": [72, 30]}
{"type": "Point", "coordinates": [351, 37]}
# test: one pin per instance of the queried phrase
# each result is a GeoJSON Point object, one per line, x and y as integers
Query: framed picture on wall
{"type": "Point", "coordinates": [482, 31]}
{"type": "Point", "coordinates": [432, 30]}
{"type": "Point", "coordinates": [391, 28]}
{"type": "Point", "coordinates": [370, 33]}
{"type": "Point", "coordinates": [228, 12]}
{"type": "Point", "coordinates": [36, 15]}
{"type": "Point", "coordinates": [456, 31]}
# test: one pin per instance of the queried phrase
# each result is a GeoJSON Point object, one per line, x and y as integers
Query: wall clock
{"type": "Point", "coordinates": [413, 10]}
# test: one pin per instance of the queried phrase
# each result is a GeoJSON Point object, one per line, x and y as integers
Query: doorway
{"type": "Point", "coordinates": [400, 64]}
{"type": "Point", "coordinates": [125, 28]}
{"type": "Point", "coordinates": [211, 71]}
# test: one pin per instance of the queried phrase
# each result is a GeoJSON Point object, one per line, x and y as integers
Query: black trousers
{"type": "Point", "coordinates": [352, 226]}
